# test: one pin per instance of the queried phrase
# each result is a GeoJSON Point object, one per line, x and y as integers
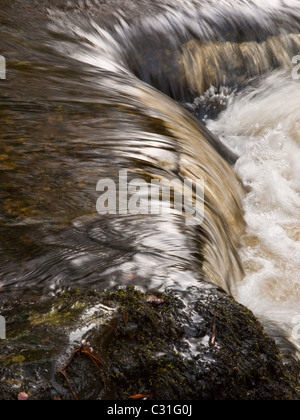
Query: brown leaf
{"type": "Point", "coordinates": [22, 396]}
{"type": "Point", "coordinates": [154, 300]}
{"type": "Point", "coordinates": [125, 317]}
{"type": "Point", "coordinates": [139, 397]}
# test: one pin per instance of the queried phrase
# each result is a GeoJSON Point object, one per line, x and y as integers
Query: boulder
{"type": "Point", "coordinates": [91, 345]}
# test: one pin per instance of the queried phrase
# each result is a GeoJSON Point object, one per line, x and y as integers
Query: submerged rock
{"type": "Point", "coordinates": [92, 345]}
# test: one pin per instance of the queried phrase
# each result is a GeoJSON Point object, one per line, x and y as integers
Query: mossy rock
{"type": "Point", "coordinates": [202, 347]}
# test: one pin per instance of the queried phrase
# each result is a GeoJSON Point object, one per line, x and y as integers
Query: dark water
{"type": "Point", "coordinates": [96, 87]}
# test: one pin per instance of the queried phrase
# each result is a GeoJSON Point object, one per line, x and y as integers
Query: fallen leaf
{"type": "Point", "coordinates": [154, 300]}
{"type": "Point", "coordinates": [139, 397]}
{"type": "Point", "coordinates": [125, 317]}
{"type": "Point", "coordinates": [22, 396]}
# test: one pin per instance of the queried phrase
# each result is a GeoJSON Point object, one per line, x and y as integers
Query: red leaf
{"type": "Point", "coordinates": [139, 397]}
{"type": "Point", "coordinates": [22, 396]}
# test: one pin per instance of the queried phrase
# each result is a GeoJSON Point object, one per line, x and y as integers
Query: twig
{"type": "Point", "coordinates": [97, 362]}
{"type": "Point", "coordinates": [69, 383]}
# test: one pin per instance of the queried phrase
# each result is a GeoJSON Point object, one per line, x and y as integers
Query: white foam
{"type": "Point", "coordinates": [262, 126]}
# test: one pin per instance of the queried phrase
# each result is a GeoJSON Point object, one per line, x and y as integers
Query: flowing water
{"type": "Point", "coordinates": [94, 88]}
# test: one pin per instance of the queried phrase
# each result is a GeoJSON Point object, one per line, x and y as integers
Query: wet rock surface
{"type": "Point", "coordinates": [113, 345]}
